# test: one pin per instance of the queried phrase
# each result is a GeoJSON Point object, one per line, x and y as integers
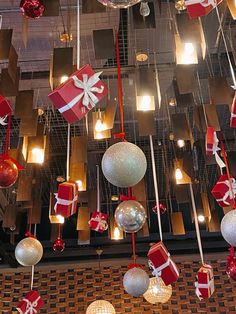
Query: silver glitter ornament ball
{"type": "Point", "coordinates": [136, 282]}
{"type": "Point", "coordinates": [228, 227]}
{"type": "Point", "coordinates": [29, 251]}
{"type": "Point", "coordinates": [124, 164]}
{"type": "Point", "coordinates": [119, 4]}
{"type": "Point", "coordinates": [130, 216]}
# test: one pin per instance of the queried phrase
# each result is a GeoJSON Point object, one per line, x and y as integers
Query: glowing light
{"type": "Point", "coordinates": [38, 155]}
{"type": "Point", "coordinates": [144, 9]}
{"type": "Point", "coordinates": [63, 79]}
{"type": "Point", "coordinates": [201, 218]}
{"type": "Point", "coordinates": [157, 292]}
{"type": "Point", "coordinates": [117, 235]}
{"type": "Point", "coordinates": [60, 219]}
{"type": "Point", "coordinates": [181, 143]}
{"type": "Point", "coordinates": [99, 126]}
{"type": "Point", "coordinates": [178, 174]}
{"type": "Point", "coordinates": [188, 53]}
{"type": "Point", "coordinates": [146, 102]}
{"type": "Point", "coordinates": [80, 184]}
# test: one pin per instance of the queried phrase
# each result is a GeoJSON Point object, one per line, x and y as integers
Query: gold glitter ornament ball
{"type": "Point", "coordinates": [124, 164]}
{"type": "Point", "coordinates": [136, 281]}
{"type": "Point", "coordinates": [101, 307]}
{"type": "Point", "coordinates": [228, 227]}
{"type": "Point", "coordinates": [158, 292]}
{"type": "Point", "coordinates": [119, 4]}
{"type": "Point", "coordinates": [29, 252]}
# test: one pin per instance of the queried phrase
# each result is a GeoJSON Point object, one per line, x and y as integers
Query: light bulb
{"type": "Point", "coordinates": [145, 103]}
{"type": "Point", "coordinates": [201, 218]}
{"type": "Point", "coordinates": [181, 143]}
{"type": "Point", "coordinates": [61, 219]}
{"type": "Point", "coordinates": [178, 174]}
{"type": "Point", "coordinates": [80, 184]}
{"type": "Point", "coordinates": [188, 53]}
{"type": "Point", "coordinates": [188, 48]}
{"type": "Point", "coordinates": [38, 155]}
{"type": "Point", "coordinates": [99, 126]}
{"type": "Point", "coordinates": [144, 9]}
{"type": "Point", "coordinates": [116, 233]}
{"type": "Point", "coordinates": [63, 79]}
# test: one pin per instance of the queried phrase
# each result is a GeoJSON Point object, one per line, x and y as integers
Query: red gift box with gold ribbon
{"type": "Point", "coordinates": [205, 282]}
{"type": "Point", "coordinates": [79, 94]}
{"type": "Point", "coordinates": [222, 191]}
{"type": "Point", "coordinates": [30, 304]}
{"type": "Point", "coordinates": [98, 222]}
{"type": "Point", "coordinates": [66, 199]}
{"type": "Point", "coordinates": [162, 264]}
{"type": "Point", "coordinates": [197, 8]}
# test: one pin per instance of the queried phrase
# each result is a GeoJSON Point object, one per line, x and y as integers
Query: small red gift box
{"type": "Point", "coordinates": [197, 8]}
{"type": "Point", "coordinates": [222, 192]}
{"type": "Point", "coordinates": [162, 264]}
{"type": "Point", "coordinates": [5, 107]}
{"type": "Point", "coordinates": [66, 199]}
{"type": "Point", "coordinates": [205, 282]}
{"type": "Point", "coordinates": [79, 94]}
{"type": "Point", "coordinates": [30, 304]}
{"type": "Point", "coordinates": [98, 222]}
{"type": "Point", "coordinates": [210, 140]}
{"type": "Point", "coordinates": [233, 113]}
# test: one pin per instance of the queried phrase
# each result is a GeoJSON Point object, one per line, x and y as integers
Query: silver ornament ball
{"type": "Point", "coordinates": [124, 164]}
{"type": "Point", "coordinates": [119, 4]}
{"type": "Point", "coordinates": [29, 252]}
{"type": "Point", "coordinates": [228, 227]}
{"type": "Point", "coordinates": [136, 282]}
{"type": "Point", "coordinates": [130, 216]}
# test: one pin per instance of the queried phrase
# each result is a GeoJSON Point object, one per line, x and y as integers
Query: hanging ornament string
{"type": "Point", "coordinates": [32, 268]}
{"type": "Point", "coordinates": [78, 34]}
{"type": "Point", "coordinates": [130, 197]}
{"type": "Point", "coordinates": [156, 187]}
{"type": "Point", "coordinates": [98, 190]}
{"type": "Point", "coordinates": [196, 224]}
{"type": "Point", "coordinates": [68, 154]}
{"type": "Point", "coordinates": [8, 134]}
{"type": "Point", "coordinates": [0, 21]}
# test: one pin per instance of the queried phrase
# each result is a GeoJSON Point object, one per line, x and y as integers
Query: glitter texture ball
{"type": "Point", "coordinates": [101, 307]}
{"type": "Point", "coordinates": [29, 252]}
{"type": "Point", "coordinates": [124, 164]}
{"type": "Point", "coordinates": [158, 292]}
{"type": "Point", "coordinates": [32, 8]}
{"type": "Point", "coordinates": [58, 245]}
{"type": "Point", "coordinates": [231, 268]}
{"type": "Point", "coordinates": [119, 4]}
{"type": "Point", "coordinates": [136, 282]}
{"type": "Point", "coordinates": [130, 216]}
{"type": "Point", "coordinates": [8, 173]}
{"type": "Point", "coordinates": [228, 227]}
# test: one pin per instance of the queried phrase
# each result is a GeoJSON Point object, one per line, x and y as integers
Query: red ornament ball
{"type": "Point", "coordinates": [59, 245]}
{"type": "Point", "coordinates": [32, 8]}
{"type": "Point", "coordinates": [161, 207]}
{"type": "Point", "coordinates": [231, 268]}
{"type": "Point", "coordinates": [8, 173]}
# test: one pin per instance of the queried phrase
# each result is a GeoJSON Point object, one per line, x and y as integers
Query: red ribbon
{"type": "Point", "coordinates": [130, 266]}
{"type": "Point", "coordinates": [29, 234]}
{"type": "Point", "coordinates": [127, 198]}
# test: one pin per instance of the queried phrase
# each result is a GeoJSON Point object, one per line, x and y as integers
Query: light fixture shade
{"type": "Point", "coordinates": [157, 292]}
{"type": "Point", "coordinates": [119, 4]}
{"type": "Point", "coordinates": [145, 103]}
{"type": "Point", "coordinates": [101, 307]}
{"type": "Point", "coordinates": [185, 52]}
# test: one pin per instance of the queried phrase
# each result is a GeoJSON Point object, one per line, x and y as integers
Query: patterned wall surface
{"type": "Point", "coordinates": [71, 288]}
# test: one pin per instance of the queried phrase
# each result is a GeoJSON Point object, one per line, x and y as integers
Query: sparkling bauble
{"type": "Point", "coordinates": [8, 173]}
{"type": "Point", "coordinates": [157, 292]}
{"type": "Point", "coordinates": [59, 245]}
{"type": "Point", "coordinates": [124, 164]}
{"type": "Point", "coordinates": [130, 216]}
{"type": "Point", "coordinates": [231, 267]}
{"type": "Point", "coordinates": [32, 8]}
{"type": "Point", "coordinates": [119, 4]}
{"type": "Point", "coordinates": [101, 307]}
{"type": "Point", "coordinates": [162, 208]}
{"type": "Point", "coordinates": [228, 227]}
{"type": "Point", "coordinates": [29, 251]}
{"type": "Point", "coordinates": [136, 282]}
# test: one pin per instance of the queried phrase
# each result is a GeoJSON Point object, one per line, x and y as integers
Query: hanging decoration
{"type": "Point", "coordinates": [29, 251]}
{"type": "Point", "coordinates": [101, 307]}
{"type": "Point", "coordinates": [30, 304]}
{"type": "Point", "coordinates": [66, 199]}
{"type": "Point", "coordinates": [227, 227]}
{"type": "Point", "coordinates": [32, 8]}
{"type": "Point", "coordinates": [197, 8]}
{"type": "Point", "coordinates": [119, 4]}
{"type": "Point", "coordinates": [136, 281]}
{"type": "Point", "coordinates": [222, 191]}
{"type": "Point", "coordinates": [231, 265]}
{"type": "Point", "coordinates": [162, 208]}
{"type": "Point", "coordinates": [157, 292]}
{"type": "Point", "coordinates": [212, 146]}
{"type": "Point", "coordinates": [233, 113]}
{"type": "Point", "coordinates": [59, 243]}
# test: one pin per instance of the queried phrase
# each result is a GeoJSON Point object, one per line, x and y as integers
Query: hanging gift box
{"type": "Point", "coordinates": [31, 304]}
{"type": "Point", "coordinates": [5, 108]}
{"type": "Point", "coordinates": [162, 264]}
{"type": "Point", "coordinates": [210, 140]}
{"type": "Point", "coordinates": [98, 222]}
{"type": "Point", "coordinates": [66, 199]}
{"type": "Point", "coordinates": [79, 94]}
{"type": "Point", "coordinates": [205, 282]}
{"type": "Point", "coordinates": [197, 8]}
{"type": "Point", "coordinates": [233, 113]}
{"type": "Point", "coordinates": [222, 191]}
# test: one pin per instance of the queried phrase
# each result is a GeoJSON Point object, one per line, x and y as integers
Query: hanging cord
{"type": "Point", "coordinates": [0, 21]}
{"type": "Point", "coordinates": [134, 248]}
{"type": "Point", "coordinates": [226, 48]}
{"type": "Point", "coordinates": [155, 186]}
{"type": "Point", "coordinates": [8, 134]}
{"type": "Point", "coordinates": [32, 268]}
{"type": "Point", "coordinates": [98, 190]}
{"type": "Point", "coordinates": [68, 154]}
{"type": "Point", "coordinates": [78, 34]}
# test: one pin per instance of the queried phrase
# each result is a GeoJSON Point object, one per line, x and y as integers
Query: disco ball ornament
{"type": "Point", "coordinates": [130, 216]}
{"type": "Point", "coordinates": [101, 307]}
{"type": "Point", "coordinates": [59, 245]}
{"type": "Point", "coordinates": [157, 292]}
{"type": "Point", "coordinates": [136, 281]}
{"type": "Point", "coordinates": [8, 173]}
{"type": "Point", "coordinates": [228, 227]}
{"type": "Point", "coordinates": [29, 251]}
{"type": "Point", "coordinates": [119, 4]}
{"type": "Point", "coordinates": [124, 164]}
{"type": "Point", "coordinates": [32, 8]}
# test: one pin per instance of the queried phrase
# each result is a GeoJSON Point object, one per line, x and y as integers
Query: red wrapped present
{"type": "Point", "coordinates": [210, 140]}
{"type": "Point", "coordinates": [30, 304]}
{"type": "Point", "coordinates": [233, 113]}
{"type": "Point", "coordinates": [5, 109]}
{"type": "Point", "coordinates": [205, 282]}
{"type": "Point", "coordinates": [79, 94]}
{"type": "Point", "coordinates": [98, 222]}
{"type": "Point", "coordinates": [222, 191]}
{"type": "Point", "coordinates": [162, 264]}
{"type": "Point", "coordinates": [66, 199]}
{"type": "Point", "coordinates": [197, 8]}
